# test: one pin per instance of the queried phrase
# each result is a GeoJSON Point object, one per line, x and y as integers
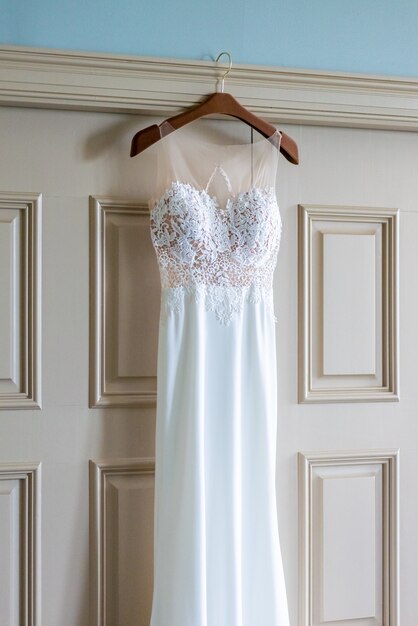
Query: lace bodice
{"type": "Point", "coordinates": [223, 254]}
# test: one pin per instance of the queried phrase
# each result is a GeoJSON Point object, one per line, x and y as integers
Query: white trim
{"type": "Point", "coordinates": [29, 531]}
{"type": "Point", "coordinates": [100, 396]}
{"type": "Point", "coordinates": [389, 460]}
{"type": "Point", "coordinates": [29, 396]}
{"type": "Point", "coordinates": [357, 391]}
{"type": "Point", "coordinates": [37, 77]}
{"type": "Point", "coordinates": [100, 471]}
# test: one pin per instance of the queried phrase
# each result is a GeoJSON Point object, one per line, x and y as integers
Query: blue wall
{"type": "Point", "coordinates": [372, 36]}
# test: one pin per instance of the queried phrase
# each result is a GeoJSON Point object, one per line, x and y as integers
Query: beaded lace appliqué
{"type": "Point", "coordinates": [219, 256]}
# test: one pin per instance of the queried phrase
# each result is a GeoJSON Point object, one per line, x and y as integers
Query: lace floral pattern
{"type": "Point", "coordinates": [222, 256]}
{"type": "Point", "coordinates": [223, 301]}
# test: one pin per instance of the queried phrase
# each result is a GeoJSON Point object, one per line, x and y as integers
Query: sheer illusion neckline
{"type": "Point", "coordinates": [184, 165]}
{"type": "Point", "coordinates": [274, 140]}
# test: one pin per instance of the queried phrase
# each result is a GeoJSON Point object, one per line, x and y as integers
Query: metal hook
{"type": "Point", "coordinates": [227, 71]}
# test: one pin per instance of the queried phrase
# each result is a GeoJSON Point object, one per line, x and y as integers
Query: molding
{"type": "Point", "coordinates": [29, 475]}
{"type": "Point", "coordinates": [102, 392]}
{"type": "Point", "coordinates": [389, 460]}
{"type": "Point", "coordinates": [28, 283]}
{"type": "Point", "coordinates": [348, 389]}
{"type": "Point", "coordinates": [58, 79]}
{"type": "Point", "coordinates": [100, 471]}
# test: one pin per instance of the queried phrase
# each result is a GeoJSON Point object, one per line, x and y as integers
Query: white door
{"type": "Point", "coordinates": [78, 337]}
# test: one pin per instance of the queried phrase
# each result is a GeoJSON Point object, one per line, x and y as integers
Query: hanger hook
{"type": "Point", "coordinates": [227, 71]}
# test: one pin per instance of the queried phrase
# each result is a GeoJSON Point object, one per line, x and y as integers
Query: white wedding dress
{"type": "Point", "coordinates": [217, 558]}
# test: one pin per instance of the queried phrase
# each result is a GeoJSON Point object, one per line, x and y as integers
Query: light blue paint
{"type": "Point", "coordinates": [372, 36]}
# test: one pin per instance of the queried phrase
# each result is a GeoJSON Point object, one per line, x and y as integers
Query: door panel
{"type": "Point", "coordinates": [69, 157]}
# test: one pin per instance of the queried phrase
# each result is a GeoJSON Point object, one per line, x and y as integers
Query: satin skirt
{"type": "Point", "coordinates": [217, 558]}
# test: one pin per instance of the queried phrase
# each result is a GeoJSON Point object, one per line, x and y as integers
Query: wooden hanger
{"type": "Point", "coordinates": [220, 103]}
